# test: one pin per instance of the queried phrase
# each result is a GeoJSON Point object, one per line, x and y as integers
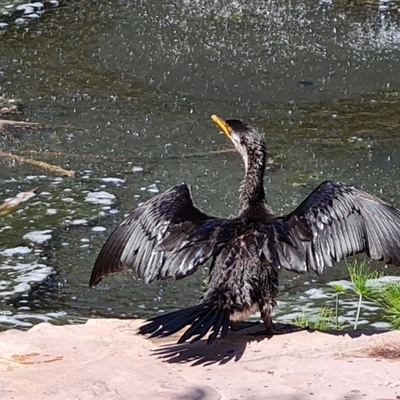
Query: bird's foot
{"type": "Point", "coordinates": [279, 329]}
{"type": "Point", "coordinates": [238, 326]}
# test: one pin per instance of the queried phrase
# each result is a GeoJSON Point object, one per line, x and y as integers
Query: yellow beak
{"type": "Point", "coordinates": [222, 124]}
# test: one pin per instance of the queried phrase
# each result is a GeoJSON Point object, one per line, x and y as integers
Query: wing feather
{"type": "Point", "coordinates": [336, 221]}
{"type": "Point", "coordinates": [166, 237]}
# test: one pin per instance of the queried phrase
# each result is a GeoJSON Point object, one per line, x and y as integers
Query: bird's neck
{"type": "Point", "coordinates": [252, 187]}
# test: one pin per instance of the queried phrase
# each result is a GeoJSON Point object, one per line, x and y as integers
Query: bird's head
{"type": "Point", "coordinates": [248, 142]}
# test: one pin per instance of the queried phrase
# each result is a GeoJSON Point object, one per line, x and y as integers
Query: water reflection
{"type": "Point", "coordinates": [123, 92]}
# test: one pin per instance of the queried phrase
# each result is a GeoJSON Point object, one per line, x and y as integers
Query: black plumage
{"type": "Point", "coordinates": [168, 237]}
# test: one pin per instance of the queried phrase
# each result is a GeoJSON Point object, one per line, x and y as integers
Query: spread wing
{"type": "Point", "coordinates": [336, 221]}
{"type": "Point", "coordinates": [166, 237]}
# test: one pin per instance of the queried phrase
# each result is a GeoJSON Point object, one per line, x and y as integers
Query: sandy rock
{"type": "Point", "coordinates": [106, 359]}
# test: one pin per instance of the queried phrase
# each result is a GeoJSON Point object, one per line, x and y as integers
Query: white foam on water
{"type": "Point", "coordinates": [26, 320]}
{"type": "Point", "coordinates": [102, 197]}
{"type": "Point", "coordinates": [51, 211]}
{"type": "Point", "coordinates": [16, 250]}
{"type": "Point", "coordinates": [22, 276]}
{"type": "Point", "coordinates": [117, 181]}
{"type": "Point", "coordinates": [316, 293]}
{"type": "Point", "coordinates": [99, 229]}
{"type": "Point", "coordinates": [38, 236]}
{"type": "Point", "coordinates": [79, 222]}
{"type": "Point", "coordinates": [381, 325]}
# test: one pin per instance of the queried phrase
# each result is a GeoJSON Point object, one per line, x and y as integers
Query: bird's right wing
{"type": "Point", "coordinates": [333, 222]}
{"type": "Point", "coordinates": [166, 237]}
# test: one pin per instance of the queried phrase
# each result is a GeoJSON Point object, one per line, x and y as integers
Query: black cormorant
{"type": "Point", "coordinates": [168, 237]}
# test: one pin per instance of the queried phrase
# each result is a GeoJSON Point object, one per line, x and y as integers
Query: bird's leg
{"type": "Point", "coordinates": [271, 328]}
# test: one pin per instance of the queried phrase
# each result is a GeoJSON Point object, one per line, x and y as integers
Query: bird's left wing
{"type": "Point", "coordinates": [333, 222]}
{"type": "Point", "coordinates": [166, 237]}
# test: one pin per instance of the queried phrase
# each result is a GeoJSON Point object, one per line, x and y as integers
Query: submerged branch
{"type": "Point", "coordinates": [41, 164]}
{"type": "Point", "coordinates": [11, 204]}
{"type": "Point", "coordinates": [17, 123]}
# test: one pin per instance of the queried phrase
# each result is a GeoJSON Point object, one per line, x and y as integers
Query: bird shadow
{"type": "Point", "coordinates": [220, 352]}
{"type": "Point", "coordinates": [199, 353]}
{"type": "Point", "coordinates": [233, 346]}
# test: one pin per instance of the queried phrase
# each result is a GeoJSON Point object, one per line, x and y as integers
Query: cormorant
{"type": "Point", "coordinates": [168, 237]}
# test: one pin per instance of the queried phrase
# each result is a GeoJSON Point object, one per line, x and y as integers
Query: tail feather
{"type": "Point", "coordinates": [199, 327]}
{"type": "Point", "coordinates": [178, 322]}
{"type": "Point", "coordinates": [168, 324]}
{"type": "Point", "coordinates": [222, 321]}
{"type": "Point", "coordinates": [200, 318]}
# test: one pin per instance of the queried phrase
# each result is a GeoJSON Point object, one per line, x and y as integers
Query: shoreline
{"type": "Point", "coordinates": [106, 359]}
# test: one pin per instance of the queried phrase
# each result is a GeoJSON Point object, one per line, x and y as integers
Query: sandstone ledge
{"type": "Point", "coordinates": [105, 359]}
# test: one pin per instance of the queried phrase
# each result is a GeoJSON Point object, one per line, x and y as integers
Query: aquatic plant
{"type": "Point", "coordinates": [364, 284]}
{"type": "Point", "coordinates": [325, 319]}
{"type": "Point", "coordinates": [389, 300]}
{"type": "Point", "coordinates": [338, 289]}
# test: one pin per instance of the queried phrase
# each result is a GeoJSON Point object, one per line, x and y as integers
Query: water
{"type": "Point", "coordinates": [123, 93]}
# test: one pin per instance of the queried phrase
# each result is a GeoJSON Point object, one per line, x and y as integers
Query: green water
{"type": "Point", "coordinates": [125, 90]}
